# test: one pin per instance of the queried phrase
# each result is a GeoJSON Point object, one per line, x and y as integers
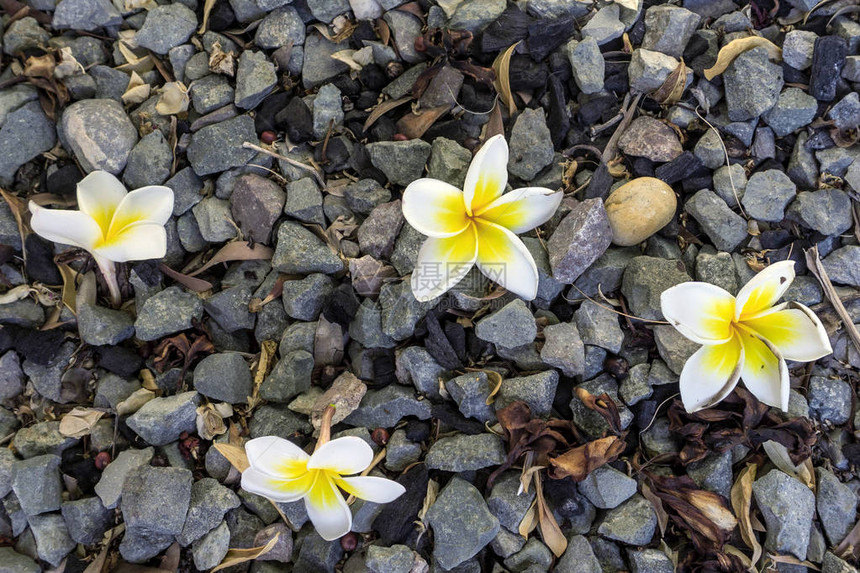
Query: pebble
{"type": "Point", "coordinates": [464, 452]}
{"type": "Point", "coordinates": [605, 25]}
{"type": "Point", "coordinates": [53, 542]}
{"type": "Point", "coordinates": [725, 228]}
{"type": "Point", "coordinates": [304, 299]}
{"type": "Point", "coordinates": [843, 265]}
{"type": "Point", "coordinates": [730, 181]}
{"type": "Point", "coordinates": [714, 473]}
{"type": "Point", "coordinates": [26, 133]}
{"type": "Point", "coordinates": [36, 483]}
{"type": "Point", "coordinates": [649, 561]}
{"type": "Point", "coordinates": [635, 387]}
{"type": "Point", "coordinates": [530, 145]}
{"type": "Point", "coordinates": [579, 557]}
{"type": "Point", "coordinates": [327, 10]}
{"type": "Point", "coordinates": [401, 452]}
{"type": "Point", "coordinates": [85, 15]}
{"type": "Point", "coordinates": [767, 194]}
{"type": "Point", "coordinates": [167, 312]}
{"type": "Point", "coordinates": [587, 64]}
{"type": "Point", "coordinates": [449, 162]}
{"type": "Point", "coordinates": [506, 501]}
{"type": "Point", "coordinates": [281, 27]}
{"type": "Point", "coordinates": [24, 34]}
{"type": "Point", "coordinates": [590, 421]}
{"type": "Point", "coordinates": [826, 211]}
{"type": "Point", "coordinates": [511, 326]}
{"type": "Point", "coordinates": [394, 559]}
{"type": "Point", "coordinates": [211, 549]}
{"type": "Point", "coordinates": [563, 348]}
{"type": "Point", "coordinates": [149, 162]}
{"type": "Point", "coordinates": [290, 377]}
{"type": "Point", "coordinates": [579, 239]}
{"type": "Point", "coordinates": [14, 562]}
{"type": "Point", "coordinates": [304, 202]}
{"type": "Point", "coordinates": [405, 29]}
{"type": "Point", "coordinates": [224, 377]}
{"type": "Point", "coordinates": [717, 269]}
{"type": "Point", "coordinates": [99, 133]}
{"type": "Point", "coordinates": [794, 109]}
{"type": "Point", "coordinates": [607, 488]}
{"type": "Point", "coordinates": [828, 57]}
{"type": "Point", "coordinates": [299, 251]}
{"type": "Point", "coordinates": [378, 233]}
{"type": "Point", "coordinates": [644, 281]}
{"type": "Point", "coordinates": [318, 66]}
{"type": "Point", "coordinates": [797, 49]}
{"type": "Point", "coordinates": [787, 507]}
{"type": "Point", "coordinates": [256, 204]}
{"type": "Point", "coordinates": [217, 147]}
{"type": "Point", "coordinates": [668, 29]}
{"type": "Point", "coordinates": [416, 366]}
{"type": "Point", "coordinates": [462, 524]}
{"type": "Point", "coordinates": [829, 400]}
{"type": "Point", "coordinates": [327, 110]}
{"type": "Point", "coordinates": [402, 162]}
{"type": "Point", "coordinates": [846, 113]}
{"type": "Point", "coordinates": [753, 84]}
{"type": "Point", "coordinates": [11, 376]}
{"type": "Point", "coordinates": [166, 27]}
{"type": "Point", "coordinates": [475, 15]}
{"type": "Point", "coordinates": [851, 70]}
{"type": "Point", "coordinates": [650, 138]}
{"type": "Point", "coordinates": [161, 420]}
{"type": "Point", "coordinates": [100, 326]}
{"type": "Point", "coordinates": [365, 195]}
{"type": "Point", "coordinates": [648, 70]}
{"type": "Point", "coordinates": [386, 407]}
{"type": "Point", "coordinates": [673, 347]}
{"type": "Point", "coordinates": [255, 78]}
{"type": "Point", "coordinates": [837, 505]}
{"type": "Point", "coordinates": [633, 522]}
{"type": "Point", "coordinates": [366, 327]}
{"type": "Point", "coordinates": [41, 438]}
{"type": "Point", "coordinates": [598, 326]}
{"type": "Point", "coordinates": [87, 520]}
{"type": "Point", "coordinates": [833, 564]}
{"type": "Point", "coordinates": [209, 503]}
{"type": "Point", "coordinates": [210, 93]}
{"type": "Point", "coordinates": [638, 209]}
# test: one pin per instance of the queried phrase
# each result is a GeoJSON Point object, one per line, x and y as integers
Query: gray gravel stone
{"type": "Point", "coordinates": [400, 452]}
{"type": "Point", "coordinates": [709, 149]}
{"type": "Point", "coordinates": [635, 387]}
{"type": "Point", "coordinates": [717, 269]}
{"type": "Point", "coordinates": [449, 162]}
{"type": "Point", "coordinates": [837, 506]}
{"type": "Point", "coordinates": [290, 377]}
{"type": "Point", "coordinates": [401, 312]}
{"type": "Point", "coordinates": [793, 110]}
{"type": "Point", "coordinates": [167, 312]}
{"type": "Point", "coordinates": [48, 379]}
{"type": "Point", "coordinates": [161, 420]}
{"type": "Point", "coordinates": [149, 162]}
{"type": "Point", "coordinates": [211, 92]}
{"type": "Point", "coordinates": [26, 133]}
{"type": "Point", "coordinates": [607, 487]}
{"type": "Point", "coordinates": [753, 84]}
{"type": "Point", "coordinates": [645, 280]}
{"type": "Point", "coordinates": [87, 519]}
{"type": "Point", "coordinates": [462, 524]}
{"type": "Point", "coordinates": [41, 438]}
{"type": "Point", "coordinates": [475, 15]}
{"type": "Point", "coordinates": [217, 147]}
{"type": "Point", "coordinates": [598, 326]}
{"type": "Point", "coordinates": [328, 110]}
{"type": "Point", "coordinates": [580, 238]}
{"type": "Point", "coordinates": [210, 501]}
{"type": "Point", "coordinates": [802, 165]}
{"type": "Point", "coordinates": [366, 327]}
{"type": "Point", "coordinates": [788, 507]}
{"type": "Point", "coordinates": [11, 376]}
{"type": "Point", "coordinates": [724, 227]}
{"type": "Point", "coordinates": [256, 203]}
{"type": "Point", "coordinates": [797, 49]}
{"type": "Point", "coordinates": [255, 78]}
{"type": "Point", "coordinates": [563, 348]}
{"type": "Point", "coordinates": [414, 365]}
{"type": "Point", "coordinates": [470, 391]}
{"type": "Point", "coordinates": [36, 482]}
{"type": "Point", "coordinates": [229, 309]}
{"type": "Point", "coordinates": [318, 66]}
{"type": "Point", "coordinates": [827, 211]}
{"type": "Point", "coordinates": [210, 550]}
{"type": "Point", "coordinates": [280, 28]}
{"type": "Point", "coordinates": [673, 347]}
{"type": "Point", "coordinates": [363, 196]}
{"type": "Point", "coordinates": [846, 113]}
{"type": "Point", "coordinates": [767, 194]}
{"type": "Point", "coordinates": [511, 326]}
{"type": "Point", "coordinates": [24, 34]}
{"type": "Point", "coordinates": [633, 522]}
{"type": "Point", "coordinates": [384, 408]}
{"type": "Point", "coordinates": [649, 561]}
{"type": "Point", "coordinates": [299, 251]}
{"type": "Point", "coordinates": [843, 265]}
{"type": "Point", "coordinates": [605, 25]}
{"type": "Point", "coordinates": [303, 299]}
{"type": "Point", "coordinates": [224, 377]}
{"type": "Point", "coordinates": [100, 326]}
{"type": "Point", "coordinates": [378, 233]}
{"type": "Point", "coordinates": [13, 562]}
{"type": "Point", "coordinates": [394, 559]}
{"type": "Point", "coordinates": [830, 400]}
{"type": "Point", "coordinates": [530, 146]}
{"type": "Point", "coordinates": [587, 64]}
{"type": "Point", "coordinates": [327, 10]}
{"type": "Point", "coordinates": [464, 452]}
{"type": "Point", "coordinates": [402, 162]}
{"type": "Point", "coordinates": [833, 564]}
{"type": "Point", "coordinates": [714, 473]}
{"type": "Point", "coordinates": [87, 15]}
{"type": "Point", "coordinates": [52, 537]}
{"type": "Point", "coordinates": [305, 201]}
{"type": "Point", "coordinates": [668, 29]}
{"type": "Point", "coordinates": [730, 180]}
{"type": "Point", "coordinates": [166, 27]}
{"type": "Point", "coordinates": [579, 557]}
{"type": "Point", "coordinates": [536, 390]}
{"type": "Point", "coordinates": [649, 69]}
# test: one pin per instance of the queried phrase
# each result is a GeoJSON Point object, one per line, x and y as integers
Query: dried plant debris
{"type": "Point", "coordinates": [692, 141]}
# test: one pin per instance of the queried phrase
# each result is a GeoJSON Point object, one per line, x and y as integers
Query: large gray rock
{"type": "Point", "coordinates": [224, 377]}
{"type": "Point", "coordinates": [830, 400]}
{"type": "Point", "coordinates": [605, 25]}
{"type": "Point", "coordinates": [87, 519]}
{"type": "Point", "coordinates": [511, 326]}
{"type": "Point", "coordinates": [167, 312]}
{"type": "Point", "coordinates": [279, 28]}
{"type": "Point", "coordinates": [537, 390]}
{"type": "Point", "coordinates": [255, 78]}
{"type": "Point", "coordinates": [462, 524]}
{"type": "Point", "coordinates": [580, 238]}
{"type": "Point", "coordinates": [465, 452]}
{"type": "Point", "coordinates": [218, 147]}
{"type": "Point", "coordinates": [13, 562]}
{"type": "Point", "coordinates": [648, 69]}
{"type": "Point", "coordinates": [290, 377]}
{"type": "Point", "coordinates": [530, 146]}
{"type": "Point", "coordinates": [36, 483]}
{"type": "Point", "coordinates": [563, 348]}
{"type": "Point", "coordinates": [99, 133]}
{"type": "Point", "coordinates": [793, 110]}
{"type": "Point", "coordinates": [753, 84]}
{"type": "Point", "coordinates": [161, 420]}
{"type": "Point", "coordinates": [645, 279]}
{"type": "Point", "coordinates": [471, 391]}
{"type": "Point", "coordinates": [100, 326]}
{"type": "Point", "coordinates": [843, 265]}
{"type": "Point", "coordinates": [579, 557]}
{"type": "Point", "coordinates": [827, 211]}
{"type": "Point", "coordinates": [53, 542]}
{"type": "Point", "coordinates": [633, 522]}
{"type": "Point", "coordinates": [607, 488]}
{"type": "Point", "coordinates": [300, 251]}
{"type": "Point", "coordinates": [26, 133]}
{"type": "Point", "coordinates": [788, 507]}
{"type": "Point", "coordinates": [587, 64]}
{"type": "Point", "coordinates": [210, 501]}
{"type": "Point", "coordinates": [475, 15]}
{"type": "Point", "coordinates": [86, 15]}
{"type": "Point", "coordinates": [402, 162]}
{"type": "Point", "coordinates": [507, 502]}
{"type": "Point", "coordinates": [318, 66]}
{"type": "Point", "coordinates": [668, 29]}
{"type": "Point", "coordinates": [724, 227]}
{"type": "Point", "coordinates": [598, 326]}
{"type": "Point", "coordinates": [837, 506]}
{"type": "Point", "coordinates": [767, 194]}
{"type": "Point", "coordinates": [166, 27]}
{"type": "Point", "coordinates": [386, 407]}
{"type": "Point", "coordinates": [210, 550]}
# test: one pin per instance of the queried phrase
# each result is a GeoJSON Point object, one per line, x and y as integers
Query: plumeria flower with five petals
{"type": "Point", "coordinates": [749, 336]}
{"type": "Point", "coordinates": [281, 471]}
{"type": "Point", "coordinates": [113, 225]}
{"type": "Point", "coordinates": [478, 225]}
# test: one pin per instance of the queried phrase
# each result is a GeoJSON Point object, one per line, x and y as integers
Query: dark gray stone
{"type": "Point", "coordinates": [837, 506]}
{"type": "Point", "coordinates": [607, 487]}
{"type": "Point", "coordinates": [280, 28]}
{"type": "Point", "coordinates": [229, 308]}
{"type": "Point", "coordinates": [87, 520]}
{"type": "Point", "coordinates": [224, 377]}
{"type": "Point", "coordinates": [36, 483]}
{"type": "Point", "coordinates": [299, 251]}
{"type": "Point", "coordinates": [580, 238]}
{"type": "Point", "coordinates": [511, 326]}
{"type": "Point", "coordinates": [846, 113]}
{"type": "Point", "coordinates": [290, 377]}
{"type": "Point", "coordinates": [470, 391]}
{"type": "Point", "coordinates": [753, 84]}
{"type": "Point", "coordinates": [605, 25]}
{"type": "Point", "coordinates": [668, 29]}
{"type": "Point", "coordinates": [26, 133]}
{"type": "Point", "coordinates": [100, 326]}
{"type": "Point", "coordinates": [378, 233]}
{"type": "Point", "coordinates": [161, 420]}
{"type": "Point", "coordinates": [328, 110]}
{"type": "Point", "coordinates": [363, 196]}
{"type": "Point", "coordinates": [449, 162]}
{"type": "Point", "coordinates": [797, 49]}
{"type": "Point", "coordinates": [645, 280]}
{"type": "Point", "coordinates": [210, 550]}
{"type": "Point", "coordinates": [318, 66]}
{"type": "Point", "coordinates": [218, 147]}
{"type": "Point", "coordinates": [830, 400]}
{"type": "Point", "coordinates": [211, 92]}
{"type": "Point", "coordinates": [530, 146]}
{"type": "Point", "coordinates": [598, 326]}
{"type": "Point", "coordinates": [464, 452]}
{"type": "Point", "coordinates": [52, 537]}
{"type": "Point", "coordinates": [579, 557]}
{"type": "Point", "coordinates": [788, 507]}
{"type": "Point", "coordinates": [416, 366]}
{"type": "Point", "coordinates": [149, 162]}
{"type": "Point", "coordinates": [714, 473]}
{"type": "Point", "coordinates": [41, 438]}
{"type": "Point", "coordinates": [402, 162]}
{"type": "Point", "coordinates": [649, 561]}
{"type": "Point", "coordinates": [725, 228]}
{"type": "Point", "coordinates": [256, 204]}
{"type": "Point", "coordinates": [210, 501]}
{"type": "Point", "coordinates": [587, 64]}
{"type": "Point", "coordinates": [648, 69]}
{"type": "Point", "coordinates": [827, 211]}
{"type": "Point", "coordinates": [843, 265]}
{"type": "Point", "coordinates": [673, 347]}
{"type": "Point", "coordinates": [767, 195]}
{"type": "Point", "coordinates": [590, 421]}
{"type": "Point", "coordinates": [11, 376]}
{"type": "Point", "coordinates": [793, 110]}
{"type": "Point", "coordinates": [537, 390]}
{"type": "Point", "coordinates": [13, 562]}
{"type": "Point", "coordinates": [305, 201]}
{"type": "Point", "coordinates": [167, 312]}
{"type": "Point", "coordinates": [633, 522]}
{"type": "Point", "coordinates": [166, 27]}
{"type": "Point", "coordinates": [86, 15]}
{"type": "Point", "coordinates": [384, 408]}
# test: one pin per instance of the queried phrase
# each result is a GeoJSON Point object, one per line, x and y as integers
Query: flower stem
{"type": "Point", "coordinates": [325, 426]}
{"type": "Point", "coordinates": [108, 270]}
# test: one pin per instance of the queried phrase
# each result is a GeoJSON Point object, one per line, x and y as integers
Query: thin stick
{"type": "Point", "coordinates": [325, 426]}
{"type": "Point", "coordinates": [813, 261]}
{"type": "Point", "coordinates": [627, 110]}
{"type": "Point", "coordinates": [726, 153]}
{"type": "Point", "coordinates": [293, 162]}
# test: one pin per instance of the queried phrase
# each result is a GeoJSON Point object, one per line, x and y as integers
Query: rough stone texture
{"type": "Point", "coordinates": [793, 110]}
{"type": "Point", "coordinates": [384, 408]}
{"type": "Point", "coordinates": [36, 483]}
{"type": "Point", "coordinates": [470, 391]}
{"type": "Point", "coordinates": [161, 420]}
{"type": "Point", "coordinates": [725, 228]}
{"type": "Point", "coordinates": [299, 251]}
{"type": "Point", "coordinates": [256, 204]}
{"type": "Point", "coordinates": [530, 146]}
{"type": "Point", "coordinates": [87, 519]}
{"type": "Point", "coordinates": [837, 505]}
{"type": "Point", "coordinates": [103, 326]}
{"type": "Point", "coordinates": [167, 312]}
{"type": "Point", "coordinates": [537, 390]}
{"type": "Point", "coordinates": [511, 326]}
{"type": "Point", "coordinates": [465, 452]}
{"type": "Point", "coordinates": [843, 265]}
{"type": "Point", "coordinates": [668, 29]}
{"type": "Point", "coordinates": [830, 400]}
{"type": "Point", "coordinates": [579, 557]}
{"type": "Point", "coordinates": [598, 326]}
{"type": "Point", "coordinates": [582, 236]}
{"type": "Point", "coordinates": [378, 233]}
{"type": "Point", "coordinates": [651, 138]}
{"type": "Point", "coordinates": [753, 84]}
{"type": "Point", "coordinates": [587, 64]}
{"type": "Point", "coordinates": [402, 162]}
{"type": "Point", "coordinates": [461, 523]}
{"type": "Point", "coordinates": [767, 194]}
{"type": "Point", "coordinates": [224, 377]}
{"type": "Point", "coordinates": [52, 537]}
{"type": "Point", "coordinates": [633, 522]}
{"type": "Point", "coordinates": [788, 507]}
{"type": "Point", "coordinates": [99, 133]}
{"type": "Point", "coordinates": [826, 211]}
{"type": "Point", "coordinates": [13, 562]}
{"type": "Point", "coordinates": [166, 27]}
{"type": "Point", "coordinates": [563, 348]}
{"type": "Point", "coordinates": [87, 15]}
{"type": "Point", "coordinates": [648, 70]}
{"type": "Point", "coordinates": [210, 501]}
{"type": "Point", "coordinates": [644, 281]}
{"type": "Point", "coordinates": [255, 78]}
{"type": "Point", "coordinates": [607, 487]}
{"type": "Point", "coordinates": [26, 133]}
{"type": "Point", "coordinates": [217, 147]}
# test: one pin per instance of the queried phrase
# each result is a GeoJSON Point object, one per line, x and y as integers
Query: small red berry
{"type": "Point", "coordinates": [380, 436]}
{"type": "Point", "coordinates": [349, 542]}
{"type": "Point", "coordinates": [268, 137]}
{"type": "Point", "coordinates": [400, 137]}
{"type": "Point", "coordinates": [102, 460]}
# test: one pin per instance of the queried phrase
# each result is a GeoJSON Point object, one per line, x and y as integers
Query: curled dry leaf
{"type": "Point", "coordinates": [195, 284]}
{"type": "Point", "coordinates": [221, 62]}
{"type": "Point", "coordinates": [502, 67]}
{"type": "Point", "coordinates": [742, 504]}
{"type": "Point", "coordinates": [345, 395]}
{"type": "Point", "coordinates": [236, 251]}
{"type": "Point", "coordinates": [603, 405]}
{"type": "Point", "coordinates": [134, 402]}
{"type": "Point", "coordinates": [673, 87]}
{"type": "Point", "coordinates": [137, 90]}
{"type": "Point", "coordinates": [580, 461]}
{"type": "Point", "coordinates": [210, 419]}
{"type": "Point", "coordinates": [68, 66]}
{"type": "Point", "coordinates": [15, 294]}
{"type": "Point", "coordinates": [733, 49]}
{"type": "Point", "coordinates": [778, 454]}
{"type": "Point", "coordinates": [79, 422]}
{"type": "Point", "coordinates": [174, 99]}
{"type": "Point", "coordinates": [237, 556]}
{"type": "Point", "coordinates": [234, 454]}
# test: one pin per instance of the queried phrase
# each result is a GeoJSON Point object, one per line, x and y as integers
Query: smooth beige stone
{"type": "Point", "coordinates": [639, 209]}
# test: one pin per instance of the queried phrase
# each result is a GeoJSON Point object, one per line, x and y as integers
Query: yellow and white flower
{"type": "Point", "coordinates": [477, 225]}
{"type": "Point", "coordinates": [281, 471]}
{"type": "Point", "coordinates": [113, 225]}
{"type": "Point", "coordinates": [749, 336]}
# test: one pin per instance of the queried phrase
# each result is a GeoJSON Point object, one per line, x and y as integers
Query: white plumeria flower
{"type": "Point", "coordinates": [281, 471]}
{"type": "Point", "coordinates": [114, 225]}
{"type": "Point", "coordinates": [748, 336]}
{"type": "Point", "coordinates": [478, 225]}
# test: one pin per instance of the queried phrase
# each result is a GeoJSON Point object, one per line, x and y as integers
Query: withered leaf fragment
{"type": "Point", "coordinates": [580, 461]}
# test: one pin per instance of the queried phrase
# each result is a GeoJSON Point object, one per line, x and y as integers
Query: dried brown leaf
{"type": "Point", "coordinates": [134, 402]}
{"type": "Point", "coordinates": [79, 422]}
{"type": "Point", "coordinates": [673, 87]}
{"type": "Point", "coordinates": [550, 532]}
{"type": "Point", "coordinates": [494, 126]}
{"type": "Point", "coordinates": [741, 495]}
{"type": "Point", "coordinates": [174, 99]}
{"type": "Point", "coordinates": [237, 556]}
{"type": "Point", "coordinates": [236, 251]}
{"type": "Point", "coordinates": [502, 67]}
{"type": "Point", "coordinates": [659, 510]}
{"type": "Point", "coordinates": [580, 461]}
{"type": "Point", "coordinates": [70, 294]}
{"type": "Point", "coordinates": [235, 455]}
{"type": "Point", "coordinates": [736, 47]}
{"type": "Point", "coordinates": [195, 284]}
{"type": "Point", "coordinates": [413, 125]}
{"type": "Point", "coordinates": [383, 108]}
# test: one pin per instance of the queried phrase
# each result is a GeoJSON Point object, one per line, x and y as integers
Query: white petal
{"type": "Point", "coordinates": [276, 489]}
{"type": "Point", "coordinates": [523, 209]}
{"type": "Point", "coordinates": [65, 227]}
{"type": "Point", "coordinates": [442, 263]}
{"type": "Point", "coordinates": [434, 208]}
{"type": "Point", "coordinates": [375, 489]}
{"type": "Point", "coordinates": [135, 243]}
{"type": "Point", "coordinates": [503, 258]}
{"type": "Point", "coordinates": [275, 456]}
{"type": "Point", "coordinates": [153, 204]}
{"type": "Point", "coordinates": [487, 175]}
{"type": "Point", "coordinates": [710, 374]}
{"type": "Point", "coordinates": [764, 289]}
{"type": "Point", "coordinates": [765, 373]}
{"type": "Point", "coordinates": [700, 311]}
{"type": "Point", "coordinates": [99, 194]}
{"type": "Point", "coordinates": [796, 332]}
{"type": "Point", "coordinates": [327, 509]}
{"type": "Point", "coordinates": [345, 456]}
